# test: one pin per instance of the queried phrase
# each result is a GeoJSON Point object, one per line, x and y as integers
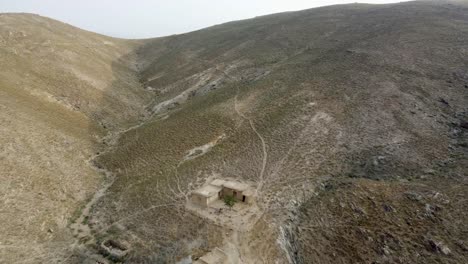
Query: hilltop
{"type": "Point", "coordinates": [349, 120]}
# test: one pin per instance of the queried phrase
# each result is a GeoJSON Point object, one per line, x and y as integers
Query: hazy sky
{"type": "Point", "coordinates": [152, 18]}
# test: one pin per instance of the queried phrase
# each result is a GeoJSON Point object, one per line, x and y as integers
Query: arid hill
{"type": "Point", "coordinates": [351, 121]}
{"type": "Point", "coordinates": [61, 90]}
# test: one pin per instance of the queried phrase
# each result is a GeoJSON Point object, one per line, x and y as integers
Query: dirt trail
{"type": "Point", "coordinates": [252, 125]}
{"type": "Point", "coordinates": [237, 250]}
{"type": "Point", "coordinates": [264, 148]}
{"type": "Point", "coordinates": [232, 249]}
{"type": "Point", "coordinates": [232, 245]}
{"type": "Point", "coordinates": [80, 228]}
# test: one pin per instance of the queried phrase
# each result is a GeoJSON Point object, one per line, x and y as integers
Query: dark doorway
{"type": "Point", "coordinates": [243, 198]}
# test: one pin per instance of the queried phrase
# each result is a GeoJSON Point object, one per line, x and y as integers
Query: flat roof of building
{"type": "Point", "coordinates": [230, 184]}
{"type": "Point", "coordinates": [217, 185]}
{"type": "Point", "coordinates": [218, 182]}
{"type": "Point", "coordinates": [249, 192]}
{"type": "Point", "coordinates": [236, 185]}
{"type": "Point", "coordinates": [208, 190]}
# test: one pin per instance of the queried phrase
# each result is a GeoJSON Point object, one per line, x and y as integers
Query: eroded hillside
{"type": "Point", "coordinates": [350, 121]}
{"type": "Point", "coordinates": [61, 90]}
{"type": "Point", "coordinates": [350, 94]}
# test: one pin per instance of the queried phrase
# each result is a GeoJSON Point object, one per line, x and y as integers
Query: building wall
{"type": "Point", "coordinates": [230, 192]}
{"type": "Point", "coordinates": [212, 199]}
{"type": "Point", "coordinates": [249, 199]}
{"type": "Point", "coordinates": [203, 201]}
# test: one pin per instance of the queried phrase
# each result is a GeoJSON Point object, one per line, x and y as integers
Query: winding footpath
{"type": "Point", "coordinates": [254, 129]}
{"type": "Point", "coordinates": [82, 231]}
{"type": "Point", "coordinates": [80, 228]}
{"type": "Point", "coordinates": [262, 140]}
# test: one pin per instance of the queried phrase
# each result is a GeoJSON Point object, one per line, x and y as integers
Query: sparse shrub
{"type": "Point", "coordinates": [229, 201]}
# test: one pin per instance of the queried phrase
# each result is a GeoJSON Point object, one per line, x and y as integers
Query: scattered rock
{"type": "Point", "coordinates": [438, 247]}
{"type": "Point", "coordinates": [462, 245]}
{"type": "Point", "coordinates": [358, 209]}
{"type": "Point", "coordinates": [445, 250]}
{"type": "Point", "coordinates": [386, 250]}
{"type": "Point", "coordinates": [429, 171]}
{"type": "Point", "coordinates": [114, 249]}
{"type": "Point", "coordinates": [430, 210]}
{"type": "Point", "coordinates": [413, 196]}
{"type": "Point", "coordinates": [388, 208]}
{"type": "Point", "coordinates": [464, 125]}
{"type": "Point", "coordinates": [328, 186]}
{"type": "Point", "coordinates": [442, 100]}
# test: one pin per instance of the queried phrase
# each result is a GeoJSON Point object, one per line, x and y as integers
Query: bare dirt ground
{"type": "Point", "coordinates": [52, 96]}
{"type": "Point", "coordinates": [235, 222]}
{"type": "Point", "coordinates": [351, 121]}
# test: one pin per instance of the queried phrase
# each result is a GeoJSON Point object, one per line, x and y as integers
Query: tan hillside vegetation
{"type": "Point", "coordinates": [350, 121]}
{"type": "Point", "coordinates": [61, 88]}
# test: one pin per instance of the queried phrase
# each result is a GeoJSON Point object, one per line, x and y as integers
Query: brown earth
{"type": "Point", "coordinates": [349, 119]}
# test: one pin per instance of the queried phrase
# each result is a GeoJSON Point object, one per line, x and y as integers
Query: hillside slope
{"type": "Point", "coordinates": [356, 106]}
{"type": "Point", "coordinates": [61, 88]}
{"type": "Point", "coordinates": [350, 120]}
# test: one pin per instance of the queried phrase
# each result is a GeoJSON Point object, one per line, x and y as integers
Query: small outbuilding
{"type": "Point", "coordinates": [218, 189]}
{"type": "Point", "coordinates": [240, 191]}
{"type": "Point", "coordinates": [116, 250]}
{"type": "Point", "coordinates": [206, 195]}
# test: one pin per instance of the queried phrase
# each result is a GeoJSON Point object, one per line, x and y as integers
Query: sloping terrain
{"type": "Point", "coordinates": [355, 93]}
{"type": "Point", "coordinates": [61, 88]}
{"type": "Point", "coordinates": [351, 120]}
